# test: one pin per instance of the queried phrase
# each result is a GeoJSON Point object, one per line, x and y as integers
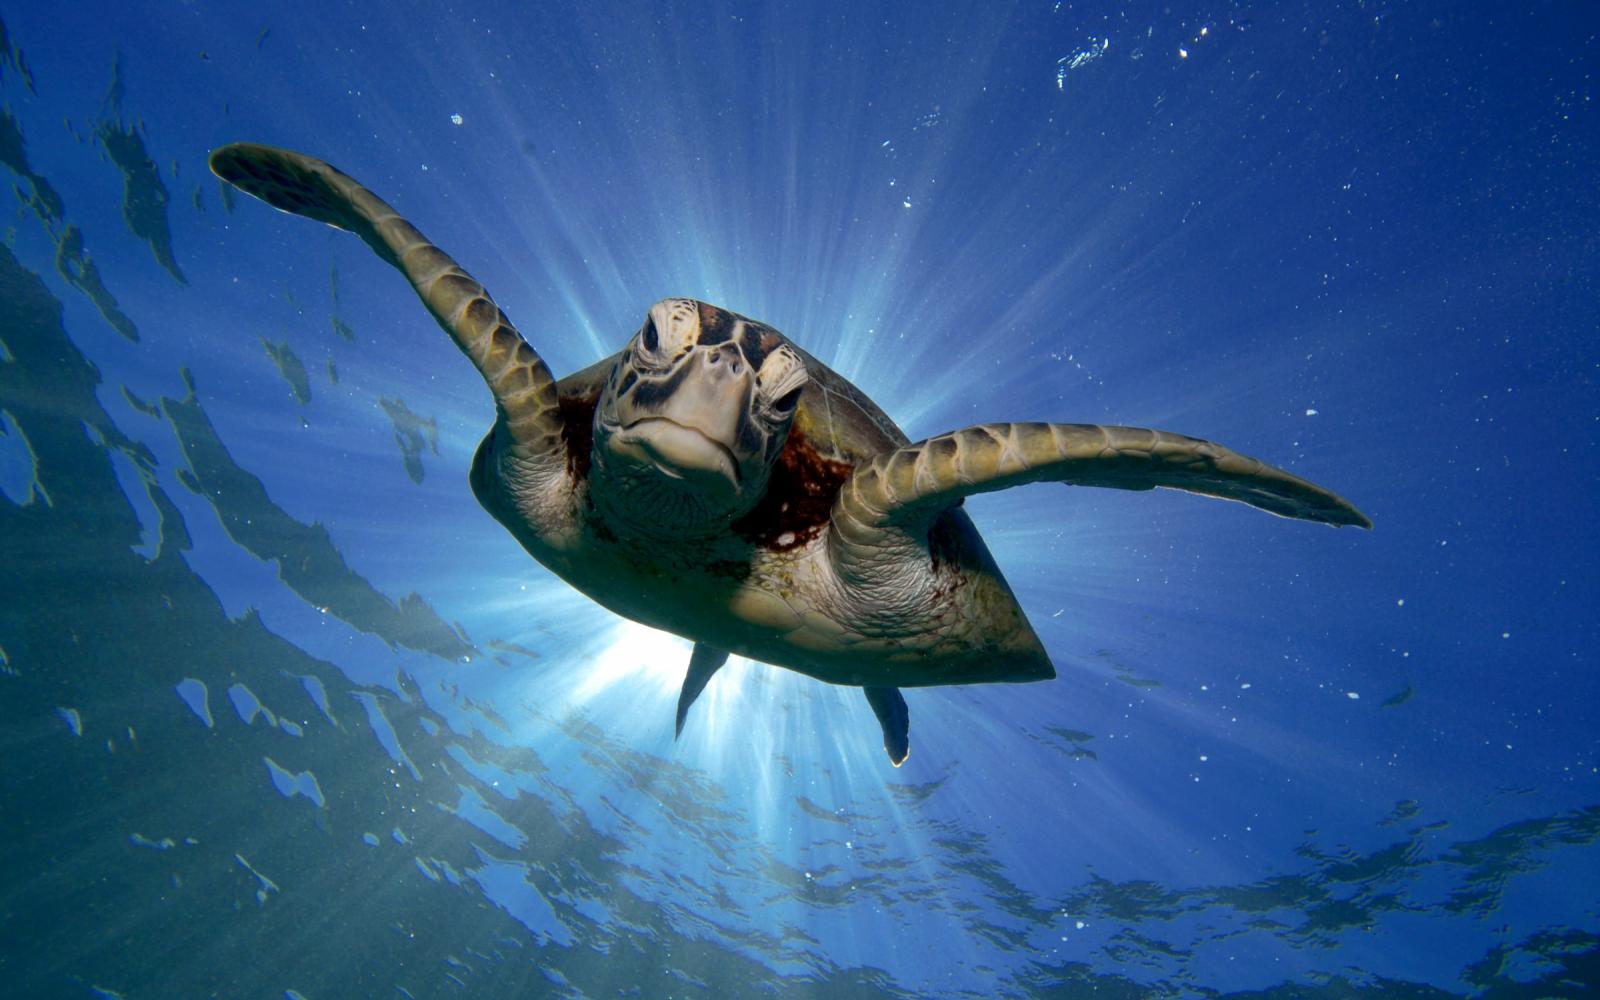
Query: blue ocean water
{"type": "Point", "coordinates": [285, 713]}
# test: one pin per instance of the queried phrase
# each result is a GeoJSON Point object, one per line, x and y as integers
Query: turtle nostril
{"type": "Point", "coordinates": [728, 354]}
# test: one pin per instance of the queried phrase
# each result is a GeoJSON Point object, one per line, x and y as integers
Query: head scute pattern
{"type": "Point", "coordinates": [692, 417]}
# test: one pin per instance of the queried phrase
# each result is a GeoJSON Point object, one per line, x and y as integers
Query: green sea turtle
{"type": "Point", "coordinates": [714, 480]}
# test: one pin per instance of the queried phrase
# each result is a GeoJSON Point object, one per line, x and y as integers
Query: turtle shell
{"type": "Point", "coordinates": [839, 421]}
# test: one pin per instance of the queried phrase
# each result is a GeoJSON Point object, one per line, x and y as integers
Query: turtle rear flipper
{"type": "Point", "coordinates": [703, 662]}
{"type": "Point", "coordinates": [518, 377]}
{"type": "Point", "coordinates": [889, 705]}
{"type": "Point", "coordinates": [900, 493]}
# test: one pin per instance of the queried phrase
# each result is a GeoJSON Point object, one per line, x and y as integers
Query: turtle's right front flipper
{"type": "Point", "coordinates": [906, 489]}
{"type": "Point", "coordinates": [518, 377]}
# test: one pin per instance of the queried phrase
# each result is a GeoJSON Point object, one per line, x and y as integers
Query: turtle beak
{"type": "Point", "coordinates": [680, 452]}
{"type": "Point", "coordinates": [715, 396]}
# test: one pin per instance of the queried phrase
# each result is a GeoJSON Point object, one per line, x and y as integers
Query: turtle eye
{"type": "Point", "coordinates": [782, 377]}
{"type": "Point", "coordinates": [649, 337]}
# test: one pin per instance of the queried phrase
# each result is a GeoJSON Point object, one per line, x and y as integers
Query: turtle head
{"type": "Point", "coordinates": [693, 417]}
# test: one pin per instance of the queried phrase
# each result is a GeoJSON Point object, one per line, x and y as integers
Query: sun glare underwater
{"type": "Point", "coordinates": [285, 712]}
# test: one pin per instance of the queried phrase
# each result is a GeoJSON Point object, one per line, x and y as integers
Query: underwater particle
{"type": "Point", "coordinates": [1310, 412]}
{"type": "Point", "coordinates": [193, 692]}
{"type": "Point", "coordinates": [456, 119]}
{"type": "Point", "coordinates": [140, 840]}
{"type": "Point", "coordinates": [370, 839]}
{"type": "Point", "coordinates": [1353, 695]}
{"type": "Point", "coordinates": [1095, 48]}
{"type": "Point", "coordinates": [73, 720]}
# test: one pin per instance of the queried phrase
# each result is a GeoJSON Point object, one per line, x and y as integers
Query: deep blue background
{"type": "Point", "coordinates": [1356, 240]}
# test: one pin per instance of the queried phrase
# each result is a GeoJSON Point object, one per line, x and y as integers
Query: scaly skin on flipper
{"type": "Point", "coordinates": [518, 377]}
{"type": "Point", "coordinates": [907, 489]}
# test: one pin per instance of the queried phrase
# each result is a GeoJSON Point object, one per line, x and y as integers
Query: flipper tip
{"type": "Point", "coordinates": [227, 162]}
{"type": "Point", "coordinates": [1348, 516]}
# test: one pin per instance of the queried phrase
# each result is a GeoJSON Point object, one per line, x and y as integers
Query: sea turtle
{"type": "Point", "coordinates": [714, 480]}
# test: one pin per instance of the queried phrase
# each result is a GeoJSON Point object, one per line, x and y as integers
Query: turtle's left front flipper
{"type": "Point", "coordinates": [520, 380]}
{"type": "Point", "coordinates": [900, 493]}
